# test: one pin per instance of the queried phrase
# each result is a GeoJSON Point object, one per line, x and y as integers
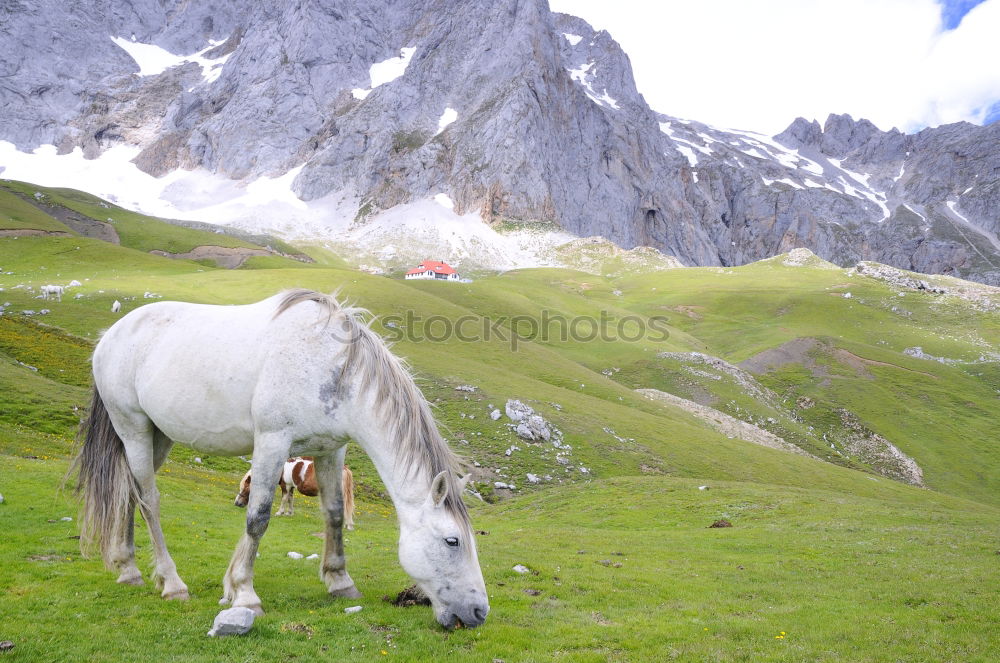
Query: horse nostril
{"type": "Point", "coordinates": [480, 615]}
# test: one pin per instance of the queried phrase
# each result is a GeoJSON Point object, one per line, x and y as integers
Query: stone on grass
{"type": "Point", "coordinates": [495, 414]}
{"type": "Point", "coordinates": [234, 621]}
{"type": "Point", "coordinates": [1, 499]}
{"type": "Point", "coordinates": [520, 568]}
{"type": "Point", "coordinates": [295, 555]}
{"type": "Point", "coordinates": [353, 609]}
{"type": "Point", "coordinates": [313, 556]}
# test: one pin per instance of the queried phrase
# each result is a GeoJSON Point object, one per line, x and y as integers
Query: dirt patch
{"type": "Point", "coordinates": [77, 222]}
{"type": "Point", "coordinates": [44, 558]}
{"type": "Point", "coordinates": [722, 522]}
{"type": "Point", "coordinates": [801, 351]}
{"type": "Point", "coordinates": [224, 256]}
{"type": "Point", "coordinates": [795, 351]}
{"type": "Point", "coordinates": [297, 627]}
{"type": "Point", "coordinates": [692, 311]}
{"type": "Point", "coordinates": [31, 232]}
{"type": "Point", "coordinates": [409, 597]}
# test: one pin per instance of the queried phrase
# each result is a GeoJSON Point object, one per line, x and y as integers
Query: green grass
{"type": "Point", "coordinates": [849, 564]}
{"type": "Point", "coordinates": [624, 569]}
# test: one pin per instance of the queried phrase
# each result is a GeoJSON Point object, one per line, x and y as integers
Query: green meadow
{"type": "Point", "coordinates": [829, 558]}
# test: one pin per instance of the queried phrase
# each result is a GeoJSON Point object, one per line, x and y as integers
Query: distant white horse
{"type": "Point", "coordinates": [53, 292]}
{"type": "Point", "coordinates": [116, 306]}
{"type": "Point", "coordinates": [295, 374]}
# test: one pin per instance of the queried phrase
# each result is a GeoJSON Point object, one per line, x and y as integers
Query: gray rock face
{"type": "Point", "coordinates": [549, 128]}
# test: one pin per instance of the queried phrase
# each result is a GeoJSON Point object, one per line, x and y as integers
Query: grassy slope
{"type": "Point", "coordinates": [16, 214]}
{"type": "Point", "coordinates": [676, 579]}
{"type": "Point", "coordinates": [137, 231]}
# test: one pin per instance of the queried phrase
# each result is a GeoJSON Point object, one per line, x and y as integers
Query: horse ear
{"type": "Point", "coordinates": [439, 488]}
{"type": "Point", "coordinates": [463, 482]}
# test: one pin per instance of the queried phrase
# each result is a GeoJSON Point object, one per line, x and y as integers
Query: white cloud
{"type": "Point", "coordinates": [758, 65]}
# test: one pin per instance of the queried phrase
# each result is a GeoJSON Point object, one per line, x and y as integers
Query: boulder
{"type": "Point", "coordinates": [234, 621]}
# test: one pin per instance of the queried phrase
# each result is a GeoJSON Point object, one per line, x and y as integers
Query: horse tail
{"type": "Point", "coordinates": [348, 488]}
{"type": "Point", "coordinates": [105, 484]}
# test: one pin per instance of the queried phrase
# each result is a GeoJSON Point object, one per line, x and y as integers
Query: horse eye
{"type": "Point", "coordinates": [452, 541]}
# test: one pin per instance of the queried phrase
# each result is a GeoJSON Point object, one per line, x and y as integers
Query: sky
{"type": "Point", "coordinates": [759, 64]}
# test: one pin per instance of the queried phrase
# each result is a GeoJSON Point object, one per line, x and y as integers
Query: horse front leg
{"type": "Point", "coordinates": [268, 459]}
{"type": "Point", "coordinates": [333, 572]}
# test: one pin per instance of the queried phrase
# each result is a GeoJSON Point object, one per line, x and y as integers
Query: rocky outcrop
{"type": "Point", "coordinates": [515, 112]}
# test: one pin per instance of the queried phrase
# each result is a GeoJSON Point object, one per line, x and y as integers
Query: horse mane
{"type": "Point", "coordinates": [398, 400]}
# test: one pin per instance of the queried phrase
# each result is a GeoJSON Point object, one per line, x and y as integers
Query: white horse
{"type": "Point", "coordinates": [295, 374]}
{"type": "Point", "coordinates": [53, 292]}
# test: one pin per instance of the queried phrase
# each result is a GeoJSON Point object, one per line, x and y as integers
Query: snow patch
{"type": "Point", "coordinates": [447, 117]}
{"type": "Point", "coordinates": [386, 71]}
{"type": "Point", "coordinates": [689, 153]}
{"type": "Point", "coordinates": [572, 39]}
{"type": "Point", "coordinates": [789, 182]}
{"type": "Point", "coordinates": [153, 60]}
{"type": "Point", "coordinates": [580, 75]}
{"type": "Point", "coordinates": [443, 200]}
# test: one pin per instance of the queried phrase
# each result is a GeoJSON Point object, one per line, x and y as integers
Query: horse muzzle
{"type": "Point", "coordinates": [240, 501]}
{"type": "Point", "coordinates": [469, 616]}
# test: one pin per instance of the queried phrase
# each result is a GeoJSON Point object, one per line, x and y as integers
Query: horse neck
{"type": "Point", "coordinates": [409, 488]}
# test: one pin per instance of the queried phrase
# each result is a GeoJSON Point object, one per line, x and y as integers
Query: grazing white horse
{"type": "Point", "coordinates": [295, 374]}
{"type": "Point", "coordinates": [53, 292]}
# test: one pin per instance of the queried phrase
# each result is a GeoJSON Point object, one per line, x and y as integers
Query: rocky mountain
{"type": "Point", "coordinates": [501, 110]}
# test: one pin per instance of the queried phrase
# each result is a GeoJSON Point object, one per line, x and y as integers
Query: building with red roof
{"type": "Point", "coordinates": [433, 269]}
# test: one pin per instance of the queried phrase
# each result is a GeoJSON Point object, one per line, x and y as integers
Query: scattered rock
{"type": "Point", "coordinates": [722, 522]}
{"type": "Point", "coordinates": [495, 415]}
{"type": "Point", "coordinates": [466, 387]}
{"type": "Point", "coordinates": [517, 411]}
{"type": "Point", "coordinates": [702, 487]}
{"type": "Point", "coordinates": [66, 519]}
{"type": "Point", "coordinates": [233, 621]}
{"type": "Point", "coordinates": [520, 568]}
{"type": "Point", "coordinates": [6, 645]}
{"type": "Point", "coordinates": [533, 478]}
{"type": "Point", "coordinates": [295, 555]}
{"type": "Point", "coordinates": [604, 562]}
{"type": "Point", "coordinates": [353, 609]}
{"type": "Point", "coordinates": [507, 486]}
{"type": "Point", "coordinates": [197, 459]}
{"type": "Point", "coordinates": [533, 592]}
{"type": "Point", "coordinates": [804, 402]}
{"type": "Point", "coordinates": [409, 597]}
{"type": "Point", "coordinates": [1, 499]}
{"type": "Point", "coordinates": [313, 556]}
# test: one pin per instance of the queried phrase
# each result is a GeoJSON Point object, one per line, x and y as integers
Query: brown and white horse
{"type": "Point", "coordinates": [300, 473]}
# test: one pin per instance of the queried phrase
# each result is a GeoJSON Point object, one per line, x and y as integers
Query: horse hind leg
{"type": "Point", "coordinates": [269, 457]}
{"type": "Point", "coordinates": [333, 571]}
{"type": "Point", "coordinates": [144, 456]}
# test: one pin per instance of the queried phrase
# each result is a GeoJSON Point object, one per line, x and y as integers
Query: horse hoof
{"type": "Point", "coordinates": [134, 579]}
{"type": "Point", "coordinates": [346, 593]}
{"type": "Point", "coordinates": [178, 595]}
{"type": "Point", "coordinates": [258, 611]}
{"type": "Point", "coordinates": [225, 601]}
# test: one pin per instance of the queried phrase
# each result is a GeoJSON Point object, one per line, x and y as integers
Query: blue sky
{"type": "Point", "coordinates": [760, 64]}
